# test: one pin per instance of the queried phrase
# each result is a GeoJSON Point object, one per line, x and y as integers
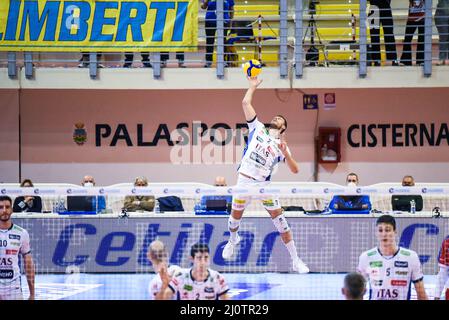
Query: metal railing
{"type": "Point", "coordinates": [286, 34]}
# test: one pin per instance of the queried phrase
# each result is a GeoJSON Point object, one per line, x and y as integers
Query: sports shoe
{"type": "Point", "coordinates": [299, 266]}
{"type": "Point", "coordinates": [228, 250]}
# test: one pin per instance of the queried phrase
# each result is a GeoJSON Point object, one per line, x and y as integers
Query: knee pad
{"type": "Point", "coordinates": [281, 224]}
{"type": "Point", "coordinates": [233, 223]}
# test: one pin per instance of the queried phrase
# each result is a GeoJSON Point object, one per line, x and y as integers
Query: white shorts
{"type": "Point", "coordinates": [12, 291]}
{"type": "Point", "coordinates": [240, 202]}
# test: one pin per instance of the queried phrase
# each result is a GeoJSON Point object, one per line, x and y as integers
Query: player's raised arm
{"type": "Point", "coordinates": [291, 162]}
{"type": "Point", "coordinates": [165, 278]}
{"type": "Point", "coordinates": [248, 109]}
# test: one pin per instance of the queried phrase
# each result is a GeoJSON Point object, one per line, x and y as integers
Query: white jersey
{"type": "Point", "coordinates": [390, 278]}
{"type": "Point", "coordinates": [156, 283]}
{"type": "Point", "coordinates": [183, 285]}
{"type": "Point", "coordinates": [261, 154]}
{"type": "Point", "coordinates": [13, 241]}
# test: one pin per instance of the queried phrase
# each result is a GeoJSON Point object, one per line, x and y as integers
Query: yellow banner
{"type": "Point", "coordinates": [99, 26]}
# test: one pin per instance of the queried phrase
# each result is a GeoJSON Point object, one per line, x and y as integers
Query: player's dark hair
{"type": "Point", "coordinates": [355, 284]}
{"type": "Point", "coordinates": [387, 219]}
{"type": "Point", "coordinates": [199, 248]}
{"type": "Point", "coordinates": [285, 122]}
{"type": "Point", "coordinates": [6, 198]}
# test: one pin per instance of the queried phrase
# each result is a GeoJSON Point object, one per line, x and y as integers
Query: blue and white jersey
{"type": "Point", "coordinates": [390, 278]}
{"type": "Point", "coordinates": [13, 241]}
{"type": "Point", "coordinates": [212, 288]}
{"type": "Point", "coordinates": [261, 154]}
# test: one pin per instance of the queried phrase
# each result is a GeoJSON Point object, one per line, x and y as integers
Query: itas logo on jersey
{"type": "Point", "coordinates": [399, 283]}
{"type": "Point", "coordinates": [14, 237]}
{"type": "Point", "coordinates": [401, 264]}
{"type": "Point", "coordinates": [387, 294]}
{"type": "Point", "coordinates": [5, 261]}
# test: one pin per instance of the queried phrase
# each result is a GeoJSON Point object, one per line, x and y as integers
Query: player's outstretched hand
{"type": "Point", "coordinates": [163, 273]}
{"type": "Point", "coordinates": [254, 82]}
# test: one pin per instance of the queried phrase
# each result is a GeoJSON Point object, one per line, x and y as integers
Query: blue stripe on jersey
{"type": "Point", "coordinates": [250, 137]}
{"type": "Point", "coordinates": [409, 293]}
{"type": "Point", "coordinates": [370, 294]}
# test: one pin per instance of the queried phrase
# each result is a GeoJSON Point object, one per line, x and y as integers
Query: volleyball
{"type": "Point", "coordinates": [252, 68]}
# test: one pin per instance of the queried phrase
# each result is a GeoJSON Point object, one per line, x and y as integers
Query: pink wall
{"type": "Point", "coordinates": [9, 135]}
{"type": "Point", "coordinates": [49, 117]}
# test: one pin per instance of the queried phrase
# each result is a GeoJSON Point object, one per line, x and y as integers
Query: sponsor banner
{"type": "Point", "coordinates": [194, 191]}
{"type": "Point", "coordinates": [99, 26]}
{"type": "Point", "coordinates": [326, 244]}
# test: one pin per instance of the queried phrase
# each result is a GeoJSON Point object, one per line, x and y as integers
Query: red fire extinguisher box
{"type": "Point", "coordinates": [329, 141]}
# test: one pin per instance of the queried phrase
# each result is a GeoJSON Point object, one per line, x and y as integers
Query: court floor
{"type": "Point", "coordinates": [243, 286]}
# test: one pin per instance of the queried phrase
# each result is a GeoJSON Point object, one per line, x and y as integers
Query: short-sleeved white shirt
{"type": "Point", "coordinates": [186, 288]}
{"type": "Point", "coordinates": [261, 154]}
{"type": "Point", "coordinates": [13, 241]}
{"type": "Point", "coordinates": [390, 278]}
{"type": "Point", "coordinates": [156, 283]}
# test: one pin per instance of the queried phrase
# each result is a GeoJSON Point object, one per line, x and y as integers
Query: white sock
{"type": "Point", "coordinates": [233, 237]}
{"type": "Point", "coordinates": [292, 249]}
